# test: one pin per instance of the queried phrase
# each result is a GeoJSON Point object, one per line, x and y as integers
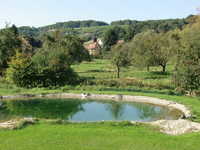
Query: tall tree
{"type": "Point", "coordinates": [142, 49]}
{"type": "Point", "coordinates": [9, 42]}
{"type": "Point", "coordinates": [187, 71]}
{"type": "Point", "coordinates": [120, 57]}
{"type": "Point", "coordinates": [152, 49]}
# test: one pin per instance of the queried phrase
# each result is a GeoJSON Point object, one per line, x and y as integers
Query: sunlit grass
{"type": "Point", "coordinates": [95, 136]}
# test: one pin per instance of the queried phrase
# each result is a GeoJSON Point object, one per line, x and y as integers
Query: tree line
{"type": "Point", "coordinates": [127, 29]}
{"type": "Point", "coordinates": [139, 26]}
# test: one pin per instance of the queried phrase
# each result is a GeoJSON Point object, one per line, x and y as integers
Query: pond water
{"type": "Point", "coordinates": [84, 110]}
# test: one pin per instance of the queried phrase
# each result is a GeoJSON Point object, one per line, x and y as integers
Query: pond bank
{"type": "Point", "coordinates": [172, 127]}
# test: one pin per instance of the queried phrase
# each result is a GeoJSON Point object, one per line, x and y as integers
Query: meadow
{"type": "Point", "coordinates": [94, 136]}
{"type": "Point", "coordinates": [100, 74]}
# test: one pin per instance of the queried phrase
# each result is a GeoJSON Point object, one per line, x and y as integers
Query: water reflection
{"type": "Point", "coordinates": [48, 109]}
{"type": "Point", "coordinates": [79, 110]}
{"type": "Point", "coordinates": [116, 110]}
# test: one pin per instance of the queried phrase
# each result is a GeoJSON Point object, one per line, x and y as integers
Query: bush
{"type": "Point", "coordinates": [48, 78]}
{"type": "Point", "coordinates": [50, 66]}
{"type": "Point", "coordinates": [23, 73]}
{"type": "Point", "coordinates": [29, 78]}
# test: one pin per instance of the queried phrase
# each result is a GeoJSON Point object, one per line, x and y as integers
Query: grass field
{"type": "Point", "coordinates": [94, 137]}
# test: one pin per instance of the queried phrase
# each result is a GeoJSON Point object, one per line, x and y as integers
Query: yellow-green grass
{"type": "Point", "coordinates": [94, 136]}
{"type": "Point", "coordinates": [103, 69]}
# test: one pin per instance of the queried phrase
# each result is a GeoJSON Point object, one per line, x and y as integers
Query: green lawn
{"type": "Point", "coordinates": [94, 137]}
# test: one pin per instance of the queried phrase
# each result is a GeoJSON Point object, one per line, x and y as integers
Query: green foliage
{"type": "Point", "coordinates": [157, 25]}
{"type": "Point", "coordinates": [120, 57]}
{"type": "Point", "coordinates": [59, 54]}
{"type": "Point", "coordinates": [29, 31]}
{"type": "Point", "coordinates": [187, 74]}
{"type": "Point", "coordinates": [111, 36]}
{"type": "Point", "coordinates": [152, 49]}
{"type": "Point", "coordinates": [86, 30]}
{"type": "Point", "coordinates": [50, 66]}
{"type": "Point", "coordinates": [9, 42]}
{"type": "Point", "coordinates": [131, 31]}
{"type": "Point", "coordinates": [142, 48]}
{"type": "Point", "coordinates": [20, 71]}
{"type": "Point", "coordinates": [24, 73]}
{"type": "Point", "coordinates": [73, 24]}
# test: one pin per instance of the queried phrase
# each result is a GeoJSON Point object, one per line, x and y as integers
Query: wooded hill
{"type": "Point", "coordinates": [89, 28]}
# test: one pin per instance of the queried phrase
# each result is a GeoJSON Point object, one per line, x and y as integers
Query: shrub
{"type": "Point", "coordinates": [24, 73]}
{"type": "Point", "coordinates": [50, 66]}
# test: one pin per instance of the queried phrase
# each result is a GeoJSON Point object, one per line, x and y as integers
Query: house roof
{"type": "Point", "coordinates": [93, 45]}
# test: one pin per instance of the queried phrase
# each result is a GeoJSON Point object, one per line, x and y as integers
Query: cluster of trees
{"type": "Point", "coordinates": [150, 48]}
{"type": "Point", "coordinates": [78, 28]}
{"type": "Point", "coordinates": [73, 24]}
{"type": "Point", "coordinates": [157, 25]}
{"type": "Point", "coordinates": [28, 62]}
{"type": "Point", "coordinates": [187, 70]}
{"type": "Point", "coordinates": [127, 29]}
{"type": "Point", "coordinates": [111, 36]}
{"type": "Point", "coordinates": [29, 31]}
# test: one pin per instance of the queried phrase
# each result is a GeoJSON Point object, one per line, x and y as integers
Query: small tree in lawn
{"type": "Point", "coordinates": [120, 57]}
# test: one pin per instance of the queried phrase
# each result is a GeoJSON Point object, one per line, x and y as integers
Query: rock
{"type": "Point", "coordinates": [177, 127]}
{"type": "Point", "coordinates": [13, 124]}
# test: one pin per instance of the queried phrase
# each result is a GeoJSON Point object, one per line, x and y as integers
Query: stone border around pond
{"type": "Point", "coordinates": [172, 127]}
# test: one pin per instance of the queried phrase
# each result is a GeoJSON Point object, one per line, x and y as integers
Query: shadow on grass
{"type": "Point", "coordinates": [95, 71]}
{"type": "Point", "coordinates": [142, 91]}
{"type": "Point", "coordinates": [158, 75]}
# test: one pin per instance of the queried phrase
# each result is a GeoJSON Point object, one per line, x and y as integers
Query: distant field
{"type": "Point", "coordinates": [102, 75]}
{"type": "Point", "coordinates": [103, 70]}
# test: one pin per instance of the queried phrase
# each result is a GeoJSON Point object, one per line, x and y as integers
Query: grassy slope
{"type": "Point", "coordinates": [94, 137]}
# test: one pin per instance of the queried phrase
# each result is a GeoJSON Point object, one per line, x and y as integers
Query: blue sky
{"type": "Point", "coordinates": [44, 12]}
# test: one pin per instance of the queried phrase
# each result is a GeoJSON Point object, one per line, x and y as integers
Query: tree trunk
{"type": "Point", "coordinates": [148, 68]}
{"type": "Point", "coordinates": [163, 68]}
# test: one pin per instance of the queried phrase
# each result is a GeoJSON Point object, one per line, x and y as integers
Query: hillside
{"type": "Point", "coordinates": [68, 26]}
{"type": "Point", "coordinates": [90, 28]}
